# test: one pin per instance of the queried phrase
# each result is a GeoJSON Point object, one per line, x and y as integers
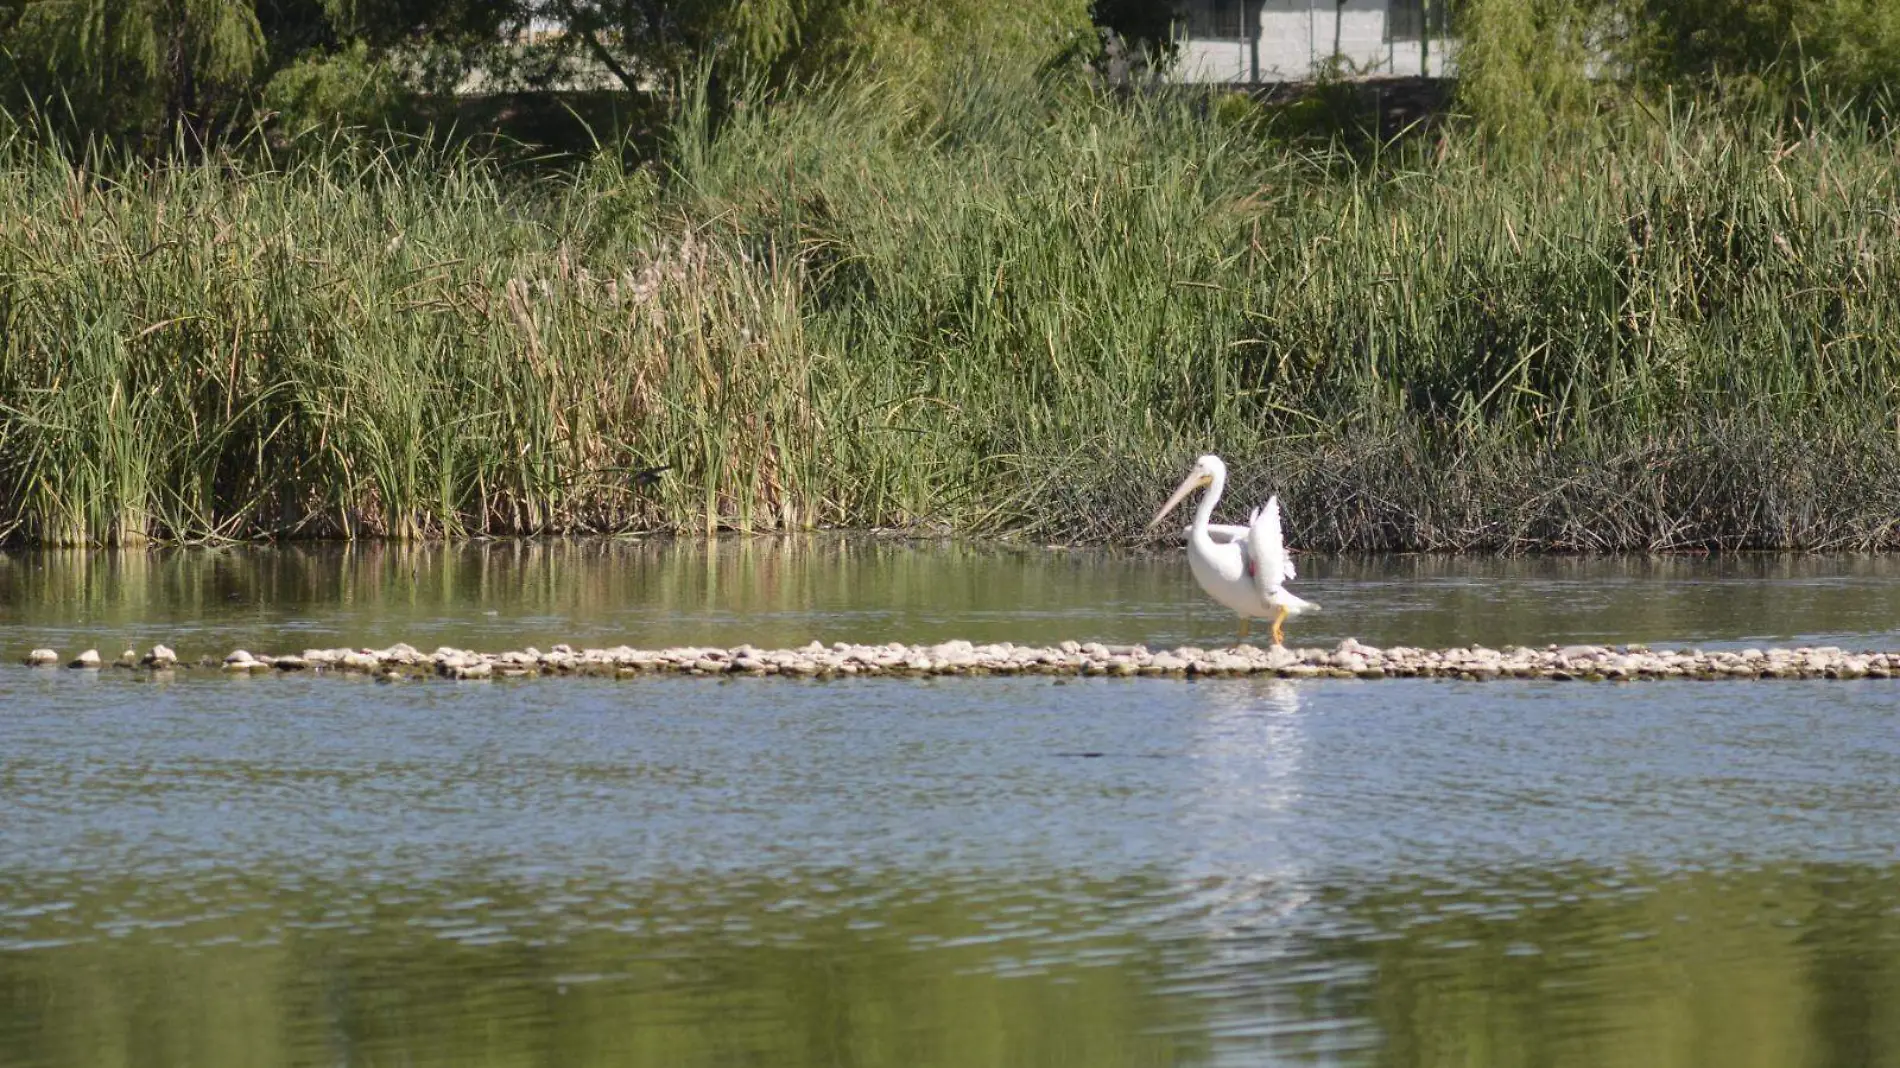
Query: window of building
{"type": "Point", "coordinates": [1407, 20]}
{"type": "Point", "coordinates": [1215, 20]}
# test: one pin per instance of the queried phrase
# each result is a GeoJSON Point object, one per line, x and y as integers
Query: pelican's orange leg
{"type": "Point", "coordinates": [1277, 620]}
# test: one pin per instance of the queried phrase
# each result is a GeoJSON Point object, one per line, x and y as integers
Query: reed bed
{"type": "Point", "coordinates": [1021, 314]}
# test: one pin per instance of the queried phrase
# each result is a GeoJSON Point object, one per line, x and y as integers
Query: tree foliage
{"type": "Point", "coordinates": [782, 42]}
{"type": "Point", "coordinates": [1839, 48]}
{"type": "Point", "coordinates": [1529, 65]}
{"type": "Point", "coordinates": [1523, 64]}
{"type": "Point", "coordinates": [116, 65]}
{"type": "Point", "coordinates": [134, 69]}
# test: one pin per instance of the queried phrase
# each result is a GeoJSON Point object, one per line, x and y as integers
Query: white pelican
{"type": "Point", "coordinates": [1245, 568]}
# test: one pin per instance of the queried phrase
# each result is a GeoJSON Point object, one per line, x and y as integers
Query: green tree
{"type": "Point", "coordinates": [644, 42]}
{"type": "Point", "coordinates": [120, 66]}
{"type": "Point", "coordinates": [1524, 65]}
{"type": "Point", "coordinates": [356, 63]}
{"type": "Point", "coordinates": [1839, 48]}
{"type": "Point", "coordinates": [437, 40]}
{"type": "Point", "coordinates": [134, 70]}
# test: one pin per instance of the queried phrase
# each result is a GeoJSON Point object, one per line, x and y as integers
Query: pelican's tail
{"type": "Point", "coordinates": [1293, 603]}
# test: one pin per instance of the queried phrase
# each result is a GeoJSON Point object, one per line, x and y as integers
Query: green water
{"type": "Point", "coordinates": [296, 870]}
{"type": "Point", "coordinates": [788, 591]}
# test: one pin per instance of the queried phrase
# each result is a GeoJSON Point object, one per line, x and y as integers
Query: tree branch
{"type": "Point", "coordinates": [576, 25]}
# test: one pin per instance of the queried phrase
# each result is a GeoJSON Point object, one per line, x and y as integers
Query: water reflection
{"type": "Point", "coordinates": [1779, 966]}
{"type": "Point", "coordinates": [794, 589]}
{"type": "Point", "coordinates": [218, 872]}
{"type": "Point", "coordinates": [1250, 748]}
{"type": "Point", "coordinates": [780, 590]}
{"type": "Point", "coordinates": [1576, 966]}
{"type": "Point", "coordinates": [1247, 890]}
{"type": "Point", "coordinates": [823, 969]}
{"type": "Point", "coordinates": [1249, 752]}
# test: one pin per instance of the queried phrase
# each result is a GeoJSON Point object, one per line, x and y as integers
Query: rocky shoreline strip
{"type": "Point", "coordinates": [1350, 659]}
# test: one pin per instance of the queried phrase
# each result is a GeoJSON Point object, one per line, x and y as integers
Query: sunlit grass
{"type": "Point", "coordinates": [1019, 316]}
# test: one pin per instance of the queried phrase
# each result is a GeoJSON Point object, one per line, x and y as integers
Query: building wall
{"type": "Point", "coordinates": [1202, 60]}
{"type": "Point", "coordinates": [1296, 38]}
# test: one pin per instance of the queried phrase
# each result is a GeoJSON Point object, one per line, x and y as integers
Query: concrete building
{"type": "Point", "coordinates": [1245, 41]}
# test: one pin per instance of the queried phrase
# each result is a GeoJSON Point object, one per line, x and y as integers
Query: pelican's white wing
{"type": "Point", "coordinates": [1221, 533]}
{"type": "Point", "coordinates": [1266, 551]}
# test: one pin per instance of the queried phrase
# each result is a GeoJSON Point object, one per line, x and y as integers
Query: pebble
{"type": "Point", "coordinates": [1350, 659]}
{"type": "Point", "coordinates": [469, 669]}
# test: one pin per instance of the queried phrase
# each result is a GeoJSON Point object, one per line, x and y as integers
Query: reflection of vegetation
{"type": "Point", "coordinates": [805, 973]}
{"type": "Point", "coordinates": [788, 590]}
{"type": "Point", "coordinates": [386, 591]}
{"type": "Point", "coordinates": [1578, 967]}
{"type": "Point", "coordinates": [1668, 599]}
{"type": "Point", "coordinates": [1762, 967]}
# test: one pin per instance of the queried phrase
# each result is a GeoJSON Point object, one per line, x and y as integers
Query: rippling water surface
{"type": "Point", "coordinates": [295, 870]}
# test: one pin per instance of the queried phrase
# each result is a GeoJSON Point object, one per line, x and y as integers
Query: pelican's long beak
{"type": "Point", "coordinates": [1194, 481]}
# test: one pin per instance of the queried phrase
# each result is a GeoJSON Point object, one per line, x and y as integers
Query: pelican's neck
{"type": "Point", "coordinates": [1205, 510]}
